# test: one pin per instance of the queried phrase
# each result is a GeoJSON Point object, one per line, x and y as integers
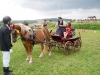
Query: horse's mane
{"type": "Point", "coordinates": [24, 28]}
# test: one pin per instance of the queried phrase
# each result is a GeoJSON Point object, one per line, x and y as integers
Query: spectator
{"type": "Point", "coordinates": [5, 44]}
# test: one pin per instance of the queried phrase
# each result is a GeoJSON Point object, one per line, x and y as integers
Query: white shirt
{"type": "Point", "coordinates": [8, 26]}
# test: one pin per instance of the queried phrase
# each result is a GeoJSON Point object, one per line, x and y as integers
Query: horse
{"type": "Point", "coordinates": [30, 37]}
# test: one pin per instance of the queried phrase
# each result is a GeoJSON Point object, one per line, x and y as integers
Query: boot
{"type": "Point", "coordinates": [7, 71]}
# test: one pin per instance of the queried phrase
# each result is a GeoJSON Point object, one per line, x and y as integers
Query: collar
{"type": "Point", "coordinates": [8, 26]}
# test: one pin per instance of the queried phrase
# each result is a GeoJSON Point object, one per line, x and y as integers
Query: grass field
{"type": "Point", "coordinates": [85, 62]}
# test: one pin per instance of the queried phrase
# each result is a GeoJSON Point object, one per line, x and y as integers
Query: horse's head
{"type": "Point", "coordinates": [14, 35]}
{"type": "Point", "coordinates": [21, 29]}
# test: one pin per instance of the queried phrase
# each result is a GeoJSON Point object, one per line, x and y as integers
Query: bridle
{"type": "Point", "coordinates": [15, 35]}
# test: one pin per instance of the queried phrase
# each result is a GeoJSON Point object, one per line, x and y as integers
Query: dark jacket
{"type": "Point", "coordinates": [5, 38]}
{"type": "Point", "coordinates": [60, 23]}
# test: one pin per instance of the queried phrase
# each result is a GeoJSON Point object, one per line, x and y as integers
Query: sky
{"type": "Point", "coordinates": [39, 9]}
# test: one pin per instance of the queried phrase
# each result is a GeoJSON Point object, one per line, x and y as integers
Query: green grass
{"type": "Point", "coordinates": [85, 62]}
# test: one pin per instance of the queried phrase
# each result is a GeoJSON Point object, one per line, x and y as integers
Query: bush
{"type": "Point", "coordinates": [91, 26]}
{"type": "Point", "coordinates": [26, 23]}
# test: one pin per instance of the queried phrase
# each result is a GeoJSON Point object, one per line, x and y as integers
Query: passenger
{"type": "Point", "coordinates": [68, 33]}
{"type": "Point", "coordinates": [69, 26]}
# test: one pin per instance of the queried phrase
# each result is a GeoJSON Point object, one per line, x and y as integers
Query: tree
{"type": "Point", "coordinates": [26, 23]}
{"type": "Point", "coordinates": [1, 23]}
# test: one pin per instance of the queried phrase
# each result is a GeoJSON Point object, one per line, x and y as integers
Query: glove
{"type": "Point", "coordinates": [11, 50]}
{"type": "Point", "coordinates": [11, 45]}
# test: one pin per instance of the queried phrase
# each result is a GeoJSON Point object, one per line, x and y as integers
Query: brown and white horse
{"type": "Point", "coordinates": [30, 37]}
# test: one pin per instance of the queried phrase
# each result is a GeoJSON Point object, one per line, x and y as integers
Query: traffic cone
{"type": "Point", "coordinates": [83, 30]}
{"type": "Point", "coordinates": [94, 31]}
{"type": "Point", "coordinates": [76, 29]}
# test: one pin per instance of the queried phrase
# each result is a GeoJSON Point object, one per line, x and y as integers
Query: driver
{"type": "Point", "coordinates": [61, 27]}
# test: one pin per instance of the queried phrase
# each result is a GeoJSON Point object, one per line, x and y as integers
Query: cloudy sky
{"type": "Point", "coordinates": [37, 9]}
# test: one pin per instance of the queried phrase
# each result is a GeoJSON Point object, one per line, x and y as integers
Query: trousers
{"type": "Point", "coordinates": [6, 58]}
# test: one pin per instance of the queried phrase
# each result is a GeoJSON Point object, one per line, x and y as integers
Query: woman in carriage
{"type": "Point", "coordinates": [61, 27]}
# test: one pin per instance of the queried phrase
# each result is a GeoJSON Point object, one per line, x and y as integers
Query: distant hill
{"type": "Point", "coordinates": [35, 21]}
{"type": "Point", "coordinates": [54, 19]}
{"type": "Point", "coordinates": [21, 21]}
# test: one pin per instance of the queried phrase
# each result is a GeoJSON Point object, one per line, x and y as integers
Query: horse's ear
{"type": "Point", "coordinates": [13, 26]}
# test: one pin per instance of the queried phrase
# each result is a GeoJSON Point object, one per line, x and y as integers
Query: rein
{"type": "Point", "coordinates": [34, 36]}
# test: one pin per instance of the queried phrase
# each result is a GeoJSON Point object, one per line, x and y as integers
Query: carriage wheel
{"type": "Point", "coordinates": [77, 45]}
{"type": "Point", "coordinates": [68, 48]}
{"type": "Point", "coordinates": [53, 45]}
{"type": "Point", "coordinates": [60, 46]}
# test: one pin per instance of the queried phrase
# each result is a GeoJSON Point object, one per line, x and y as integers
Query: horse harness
{"type": "Point", "coordinates": [33, 36]}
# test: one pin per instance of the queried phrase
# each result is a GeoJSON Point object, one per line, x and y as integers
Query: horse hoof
{"type": "Point", "coordinates": [30, 62]}
{"type": "Point", "coordinates": [49, 54]}
{"type": "Point", "coordinates": [40, 56]}
{"type": "Point", "coordinates": [27, 59]}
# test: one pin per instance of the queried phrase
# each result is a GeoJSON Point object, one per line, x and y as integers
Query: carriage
{"type": "Point", "coordinates": [30, 37]}
{"type": "Point", "coordinates": [68, 44]}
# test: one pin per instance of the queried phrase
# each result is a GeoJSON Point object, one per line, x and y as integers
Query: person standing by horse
{"type": "Point", "coordinates": [5, 44]}
{"type": "Point", "coordinates": [44, 24]}
{"type": "Point", "coordinates": [61, 25]}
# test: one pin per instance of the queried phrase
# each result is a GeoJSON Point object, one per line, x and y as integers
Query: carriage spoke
{"type": "Point", "coordinates": [68, 48]}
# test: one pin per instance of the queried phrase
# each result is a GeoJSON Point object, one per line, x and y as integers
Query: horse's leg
{"type": "Point", "coordinates": [41, 55]}
{"type": "Point", "coordinates": [26, 47]}
{"type": "Point", "coordinates": [28, 57]}
{"type": "Point", "coordinates": [30, 53]}
{"type": "Point", "coordinates": [49, 51]}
